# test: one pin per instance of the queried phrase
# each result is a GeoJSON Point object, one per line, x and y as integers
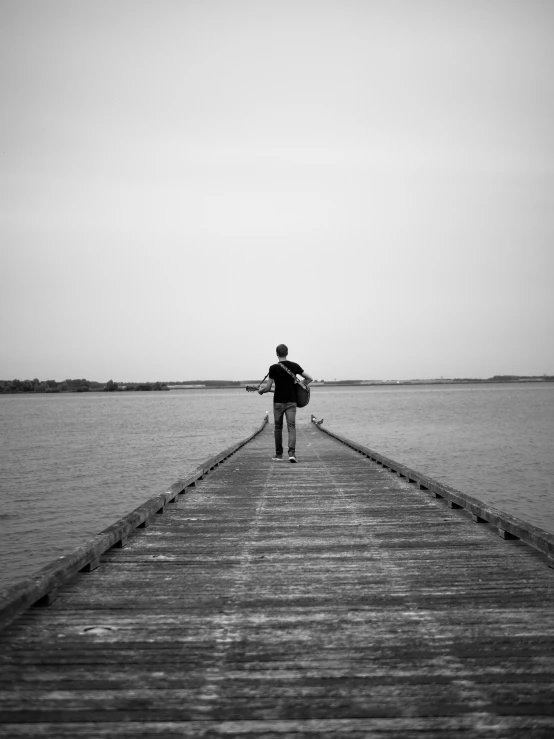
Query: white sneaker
{"type": "Point", "coordinates": [293, 459]}
{"type": "Point", "coordinates": [277, 459]}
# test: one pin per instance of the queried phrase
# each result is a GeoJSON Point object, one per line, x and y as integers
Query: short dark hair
{"type": "Point", "coordinates": [282, 350]}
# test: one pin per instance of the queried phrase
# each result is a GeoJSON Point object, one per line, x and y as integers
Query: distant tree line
{"type": "Point", "coordinates": [507, 378]}
{"type": "Point", "coordinates": [73, 386]}
{"type": "Point", "coordinates": [111, 386]}
{"type": "Point", "coordinates": [49, 386]}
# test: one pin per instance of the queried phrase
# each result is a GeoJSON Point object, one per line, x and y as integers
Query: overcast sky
{"type": "Point", "coordinates": [184, 185]}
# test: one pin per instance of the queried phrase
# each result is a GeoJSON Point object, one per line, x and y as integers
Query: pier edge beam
{"type": "Point", "coordinates": [41, 589]}
{"type": "Point", "coordinates": [539, 539]}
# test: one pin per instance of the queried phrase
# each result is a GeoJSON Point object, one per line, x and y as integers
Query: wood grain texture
{"type": "Point", "coordinates": [331, 598]}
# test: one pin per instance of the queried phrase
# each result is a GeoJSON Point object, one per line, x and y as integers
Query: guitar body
{"type": "Point", "coordinates": [302, 395]}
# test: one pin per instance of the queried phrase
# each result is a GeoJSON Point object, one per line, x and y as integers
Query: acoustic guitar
{"type": "Point", "coordinates": [302, 393]}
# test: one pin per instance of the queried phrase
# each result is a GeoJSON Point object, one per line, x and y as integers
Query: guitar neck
{"type": "Point", "coordinates": [254, 389]}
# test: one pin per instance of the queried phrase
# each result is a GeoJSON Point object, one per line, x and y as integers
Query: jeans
{"type": "Point", "coordinates": [288, 410]}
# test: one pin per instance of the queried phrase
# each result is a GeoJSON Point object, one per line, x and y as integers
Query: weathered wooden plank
{"type": "Point", "coordinates": [219, 702]}
{"type": "Point", "coordinates": [328, 598]}
{"type": "Point", "coordinates": [134, 676]}
{"type": "Point", "coordinates": [407, 728]}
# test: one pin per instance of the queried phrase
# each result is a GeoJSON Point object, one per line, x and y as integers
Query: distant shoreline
{"type": "Point", "coordinates": [19, 387]}
{"type": "Point", "coordinates": [376, 383]}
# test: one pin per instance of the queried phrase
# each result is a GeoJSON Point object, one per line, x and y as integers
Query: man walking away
{"type": "Point", "coordinates": [284, 402]}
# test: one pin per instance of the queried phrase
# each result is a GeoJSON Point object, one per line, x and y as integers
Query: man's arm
{"type": "Point", "coordinates": [267, 387]}
{"type": "Point", "coordinates": [307, 377]}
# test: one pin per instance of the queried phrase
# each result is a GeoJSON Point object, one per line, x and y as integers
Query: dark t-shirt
{"type": "Point", "coordinates": [284, 384]}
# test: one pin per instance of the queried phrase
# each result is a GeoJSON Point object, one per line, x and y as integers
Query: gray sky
{"type": "Point", "coordinates": [184, 185]}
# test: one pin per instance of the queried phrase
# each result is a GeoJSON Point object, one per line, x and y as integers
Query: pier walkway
{"type": "Point", "coordinates": [331, 598]}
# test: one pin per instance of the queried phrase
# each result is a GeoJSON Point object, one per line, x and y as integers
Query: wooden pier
{"type": "Point", "coordinates": [345, 596]}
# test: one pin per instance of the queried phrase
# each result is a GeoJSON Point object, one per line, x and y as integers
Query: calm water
{"type": "Point", "coordinates": [72, 464]}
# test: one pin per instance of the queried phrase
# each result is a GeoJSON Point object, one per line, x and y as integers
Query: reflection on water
{"type": "Point", "coordinates": [72, 464]}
